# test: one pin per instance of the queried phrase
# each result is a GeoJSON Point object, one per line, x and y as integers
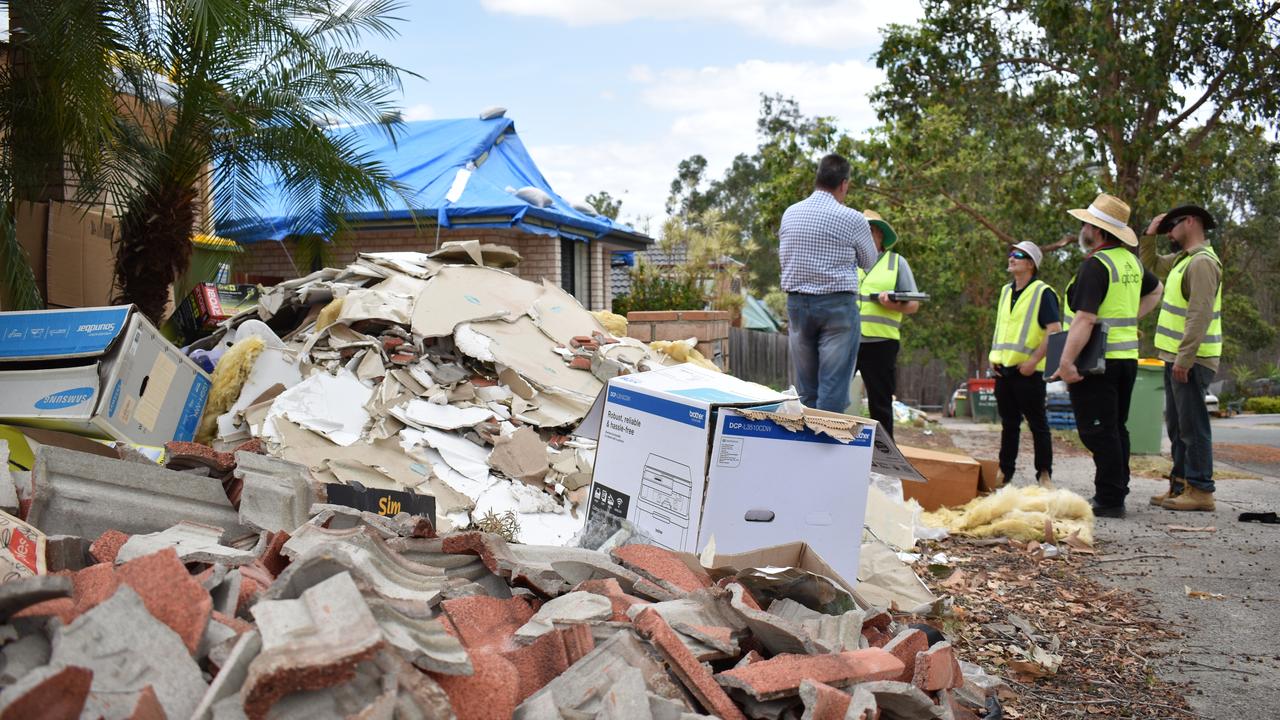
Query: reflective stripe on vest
{"type": "Point", "coordinates": [1172, 324]}
{"type": "Point", "coordinates": [877, 320]}
{"type": "Point", "coordinates": [1119, 308]}
{"type": "Point", "coordinates": [1018, 332]}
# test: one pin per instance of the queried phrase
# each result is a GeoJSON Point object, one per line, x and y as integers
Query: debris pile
{"type": "Point", "coordinates": [191, 605]}
{"type": "Point", "coordinates": [399, 373]}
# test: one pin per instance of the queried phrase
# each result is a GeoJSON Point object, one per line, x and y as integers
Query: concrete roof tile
{"type": "Point", "coordinates": [313, 642]}
{"type": "Point", "coordinates": [19, 594]}
{"type": "Point", "coordinates": [489, 693]}
{"type": "Point", "coordinates": [57, 693]}
{"type": "Point", "coordinates": [781, 676]}
{"type": "Point", "coordinates": [661, 566]}
{"type": "Point", "coordinates": [108, 544]}
{"type": "Point", "coordinates": [696, 677]}
{"type": "Point", "coordinates": [823, 702]}
{"type": "Point", "coordinates": [170, 594]}
{"type": "Point", "coordinates": [485, 622]}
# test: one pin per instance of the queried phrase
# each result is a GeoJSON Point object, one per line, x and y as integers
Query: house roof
{"type": "Point", "coordinates": [457, 173]}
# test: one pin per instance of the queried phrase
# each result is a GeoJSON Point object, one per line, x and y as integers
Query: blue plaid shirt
{"type": "Point", "coordinates": [821, 243]}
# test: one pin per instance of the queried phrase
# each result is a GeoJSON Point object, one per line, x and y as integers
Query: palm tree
{"type": "Point", "coordinates": [209, 94]}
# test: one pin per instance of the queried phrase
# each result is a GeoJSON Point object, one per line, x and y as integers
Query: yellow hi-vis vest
{"type": "Point", "coordinates": [1173, 311]}
{"type": "Point", "coordinates": [1018, 332]}
{"type": "Point", "coordinates": [1119, 308]}
{"type": "Point", "coordinates": [877, 320]}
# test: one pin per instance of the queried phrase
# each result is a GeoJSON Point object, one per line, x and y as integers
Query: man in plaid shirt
{"type": "Point", "coordinates": [821, 243]}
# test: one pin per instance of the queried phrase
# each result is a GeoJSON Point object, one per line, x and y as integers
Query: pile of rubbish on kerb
{"type": "Point", "coordinates": [383, 517]}
{"type": "Point", "coordinates": [401, 373]}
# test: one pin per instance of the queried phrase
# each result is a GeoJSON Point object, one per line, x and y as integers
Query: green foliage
{"type": "Point", "coordinates": [18, 288]}
{"type": "Point", "coordinates": [1268, 405]}
{"type": "Point", "coordinates": [213, 92]}
{"type": "Point", "coordinates": [651, 289]}
{"type": "Point", "coordinates": [605, 204]}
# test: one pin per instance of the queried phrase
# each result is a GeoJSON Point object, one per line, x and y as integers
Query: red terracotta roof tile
{"type": "Point", "coordinates": [610, 588]}
{"type": "Point", "coordinates": [905, 647]}
{"type": "Point", "coordinates": [937, 669]}
{"type": "Point", "coordinates": [823, 702]}
{"type": "Point", "coordinates": [169, 593]}
{"type": "Point", "coordinates": [547, 657]}
{"type": "Point", "coordinates": [781, 675]}
{"type": "Point", "coordinates": [60, 696]}
{"type": "Point", "coordinates": [148, 707]}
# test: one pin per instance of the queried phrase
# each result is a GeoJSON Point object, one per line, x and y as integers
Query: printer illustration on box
{"type": "Point", "coordinates": [662, 509]}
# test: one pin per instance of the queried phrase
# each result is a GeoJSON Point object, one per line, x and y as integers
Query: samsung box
{"type": "Point", "coordinates": [688, 455]}
{"type": "Point", "coordinates": [104, 371]}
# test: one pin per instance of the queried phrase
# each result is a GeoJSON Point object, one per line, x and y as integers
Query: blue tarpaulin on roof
{"type": "Point", "coordinates": [458, 173]}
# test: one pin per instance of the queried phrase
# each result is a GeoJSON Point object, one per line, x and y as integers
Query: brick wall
{"type": "Point", "coordinates": [711, 327]}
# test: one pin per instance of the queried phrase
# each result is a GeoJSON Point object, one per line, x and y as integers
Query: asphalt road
{"type": "Point", "coordinates": [1255, 430]}
{"type": "Point", "coordinates": [1229, 653]}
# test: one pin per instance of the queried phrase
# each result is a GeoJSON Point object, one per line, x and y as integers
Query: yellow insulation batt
{"type": "Point", "coordinates": [614, 323]}
{"type": "Point", "coordinates": [228, 379]}
{"type": "Point", "coordinates": [681, 351]}
{"type": "Point", "coordinates": [1018, 512]}
{"type": "Point", "coordinates": [329, 314]}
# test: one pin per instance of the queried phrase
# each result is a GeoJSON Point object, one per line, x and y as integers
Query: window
{"type": "Point", "coordinates": [575, 270]}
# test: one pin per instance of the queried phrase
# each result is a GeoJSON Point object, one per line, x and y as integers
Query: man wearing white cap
{"type": "Point", "coordinates": [1110, 289]}
{"type": "Point", "coordinates": [1027, 312]}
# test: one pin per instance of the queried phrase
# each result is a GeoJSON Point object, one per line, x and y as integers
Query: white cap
{"type": "Point", "coordinates": [1031, 249]}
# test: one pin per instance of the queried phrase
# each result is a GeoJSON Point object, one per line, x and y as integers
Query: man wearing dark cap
{"type": "Point", "coordinates": [1189, 341]}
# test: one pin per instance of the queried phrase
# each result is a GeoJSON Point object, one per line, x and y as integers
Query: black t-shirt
{"type": "Point", "coordinates": [1050, 312]}
{"type": "Point", "coordinates": [1093, 280]}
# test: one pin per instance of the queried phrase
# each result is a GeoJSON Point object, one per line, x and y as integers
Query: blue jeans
{"type": "Point", "coordinates": [1187, 420]}
{"type": "Point", "coordinates": [824, 332]}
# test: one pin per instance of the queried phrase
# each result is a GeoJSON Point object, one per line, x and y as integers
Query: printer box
{"type": "Point", "coordinates": [688, 455]}
{"type": "Point", "coordinates": [104, 372]}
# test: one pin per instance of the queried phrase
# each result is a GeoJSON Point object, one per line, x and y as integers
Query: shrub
{"type": "Point", "coordinates": [651, 290]}
{"type": "Point", "coordinates": [1269, 404]}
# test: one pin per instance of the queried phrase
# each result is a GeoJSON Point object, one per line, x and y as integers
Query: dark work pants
{"type": "Point", "coordinates": [878, 363]}
{"type": "Point", "coordinates": [1017, 397]}
{"type": "Point", "coordinates": [1101, 404]}
{"type": "Point", "coordinates": [1187, 419]}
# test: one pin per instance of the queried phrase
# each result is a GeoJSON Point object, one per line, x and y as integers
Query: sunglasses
{"type": "Point", "coordinates": [1019, 255]}
{"type": "Point", "coordinates": [1177, 222]}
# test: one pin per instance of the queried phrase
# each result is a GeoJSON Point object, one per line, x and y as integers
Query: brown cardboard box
{"type": "Point", "coordinates": [953, 479]}
{"type": "Point", "coordinates": [32, 225]}
{"type": "Point", "coordinates": [793, 554]}
{"type": "Point", "coordinates": [988, 479]}
{"type": "Point", "coordinates": [81, 259]}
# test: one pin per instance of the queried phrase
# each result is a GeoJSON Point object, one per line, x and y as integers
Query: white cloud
{"type": "Point", "coordinates": [420, 111]}
{"type": "Point", "coordinates": [710, 111]}
{"type": "Point", "coordinates": [815, 23]}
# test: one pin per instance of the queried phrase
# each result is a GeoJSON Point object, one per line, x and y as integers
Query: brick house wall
{"type": "Point", "coordinates": [710, 327]}
{"type": "Point", "coordinates": [270, 262]}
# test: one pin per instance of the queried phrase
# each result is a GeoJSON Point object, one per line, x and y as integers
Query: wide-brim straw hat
{"type": "Point", "coordinates": [890, 236]}
{"type": "Point", "coordinates": [1111, 214]}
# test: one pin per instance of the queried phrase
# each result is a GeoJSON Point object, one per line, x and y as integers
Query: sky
{"type": "Point", "coordinates": [612, 94]}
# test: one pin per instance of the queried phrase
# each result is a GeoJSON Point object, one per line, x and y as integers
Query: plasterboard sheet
{"type": "Point", "coordinates": [561, 316]}
{"type": "Point", "coordinates": [423, 414]}
{"type": "Point", "coordinates": [459, 294]}
{"type": "Point", "coordinates": [521, 346]}
{"type": "Point", "coordinates": [332, 405]}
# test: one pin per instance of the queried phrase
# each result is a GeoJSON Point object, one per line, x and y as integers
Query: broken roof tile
{"type": "Point", "coordinates": [781, 675]}
{"type": "Point", "coordinates": [108, 545]}
{"type": "Point", "coordinates": [313, 642]}
{"type": "Point", "coordinates": [170, 593]}
{"type": "Point", "coordinates": [17, 595]}
{"type": "Point", "coordinates": [696, 677]}
{"type": "Point", "coordinates": [194, 543]}
{"type": "Point", "coordinates": [661, 566]}
{"type": "Point", "coordinates": [490, 692]}
{"type": "Point", "coordinates": [485, 622]}
{"type": "Point", "coordinates": [823, 702]}
{"type": "Point", "coordinates": [548, 656]}
{"type": "Point", "coordinates": [905, 646]}
{"type": "Point", "coordinates": [47, 692]}
{"type": "Point", "coordinates": [937, 669]}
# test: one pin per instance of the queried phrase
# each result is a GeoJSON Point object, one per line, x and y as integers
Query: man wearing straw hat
{"type": "Point", "coordinates": [1189, 341]}
{"type": "Point", "coordinates": [1110, 289]}
{"type": "Point", "coordinates": [1027, 313]}
{"type": "Point", "coordinates": [882, 320]}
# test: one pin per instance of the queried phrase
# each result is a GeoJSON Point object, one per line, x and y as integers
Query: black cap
{"type": "Point", "coordinates": [1182, 211]}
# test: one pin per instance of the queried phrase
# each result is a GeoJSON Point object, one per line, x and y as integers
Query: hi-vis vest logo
{"type": "Point", "coordinates": [97, 329]}
{"type": "Point", "coordinates": [64, 399]}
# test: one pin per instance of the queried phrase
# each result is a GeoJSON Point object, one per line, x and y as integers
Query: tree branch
{"type": "Point", "coordinates": [979, 217]}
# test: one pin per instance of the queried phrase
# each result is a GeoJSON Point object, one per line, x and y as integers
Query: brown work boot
{"type": "Point", "coordinates": [1045, 480]}
{"type": "Point", "coordinates": [1176, 486]}
{"type": "Point", "coordinates": [1192, 498]}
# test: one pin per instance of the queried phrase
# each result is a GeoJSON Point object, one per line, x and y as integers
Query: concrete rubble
{"type": "Point", "coordinates": [353, 614]}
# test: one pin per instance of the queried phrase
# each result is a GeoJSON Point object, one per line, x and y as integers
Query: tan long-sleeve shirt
{"type": "Point", "coordinates": [1200, 287]}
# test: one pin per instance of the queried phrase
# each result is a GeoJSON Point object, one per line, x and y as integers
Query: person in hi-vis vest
{"type": "Point", "coordinates": [1110, 289]}
{"type": "Point", "coordinates": [882, 320]}
{"type": "Point", "coordinates": [1027, 312]}
{"type": "Point", "coordinates": [1189, 341]}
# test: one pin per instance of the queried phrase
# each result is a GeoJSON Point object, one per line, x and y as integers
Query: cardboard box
{"type": "Point", "coordinates": [667, 435]}
{"type": "Point", "coordinates": [793, 554]}
{"type": "Point", "coordinates": [953, 479]}
{"type": "Point", "coordinates": [989, 476]}
{"type": "Point", "coordinates": [80, 261]}
{"type": "Point", "coordinates": [104, 372]}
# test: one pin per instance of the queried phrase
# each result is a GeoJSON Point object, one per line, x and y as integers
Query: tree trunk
{"type": "Point", "coordinates": [154, 248]}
